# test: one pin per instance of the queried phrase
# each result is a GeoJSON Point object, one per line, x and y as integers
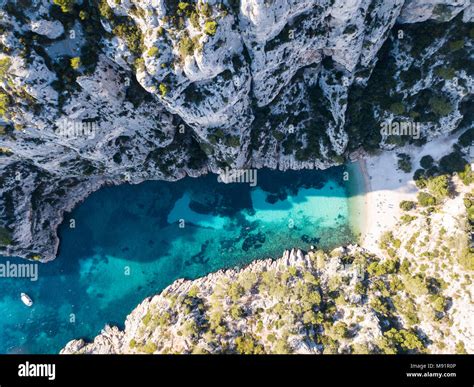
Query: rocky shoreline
{"type": "Point", "coordinates": [112, 340]}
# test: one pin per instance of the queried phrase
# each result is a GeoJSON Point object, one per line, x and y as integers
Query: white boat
{"type": "Point", "coordinates": [26, 299]}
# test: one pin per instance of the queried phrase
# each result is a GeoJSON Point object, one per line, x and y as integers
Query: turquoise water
{"type": "Point", "coordinates": [130, 242]}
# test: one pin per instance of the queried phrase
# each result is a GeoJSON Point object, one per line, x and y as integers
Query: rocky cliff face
{"type": "Point", "coordinates": [109, 92]}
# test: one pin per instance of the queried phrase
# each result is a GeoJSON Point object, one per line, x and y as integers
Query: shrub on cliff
{"type": "Point", "coordinates": [397, 108]}
{"type": "Point", "coordinates": [378, 268]}
{"type": "Point", "coordinates": [340, 330]}
{"type": "Point", "coordinates": [467, 176]}
{"type": "Point", "coordinates": [186, 46]}
{"type": "Point", "coordinates": [149, 348]}
{"type": "Point", "coordinates": [105, 10]}
{"type": "Point", "coordinates": [387, 241]}
{"type": "Point", "coordinates": [404, 341]}
{"type": "Point", "coordinates": [426, 200]}
{"type": "Point", "coordinates": [5, 237]}
{"type": "Point", "coordinates": [183, 6]}
{"type": "Point", "coordinates": [438, 186]}
{"type": "Point", "coordinates": [460, 348]}
{"type": "Point", "coordinates": [426, 162]}
{"type": "Point", "coordinates": [467, 138]}
{"type": "Point", "coordinates": [5, 64]}
{"type": "Point", "coordinates": [440, 106]}
{"type": "Point", "coordinates": [4, 103]}
{"type": "Point", "coordinates": [415, 285]}
{"type": "Point", "coordinates": [132, 36]}
{"type": "Point", "coordinates": [439, 303]}
{"type": "Point", "coordinates": [446, 73]}
{"type": "Point", "coordinates": [66, 5]}
{"type": "Point", "coordinates": [153, 52]}
{"type": "Point", "coordinates": [454, 162]}
{"type": "Point", "coordinates": [247, 345]}
{"type": "Point", "coordinates": [407, 205]}
{"type": "Point", "coordinates": [206, 9]}
{"type": "Point", "coordinates": [466, 259]}
{"type": "Point", "coordinates": [406, 219]}
{"type": "Point", "coordinates": [210, 28]}
{"type": "Point", "coordinates": [76, 63]}
{"type": "Point", "coordinates": [420, 178]}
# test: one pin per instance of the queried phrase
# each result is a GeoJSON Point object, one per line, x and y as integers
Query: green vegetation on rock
{"type": "Point", "coordinates": [425, 199]}
{"type": "Point", "coordinates": [210, 27]}
{"type": "Point", "coordinates": [5, 237]}
{"type": "Point", "coordinates": [153, 52]}
{"type": "Point", "coordinates": [407, 205]}
{"type": "Point", "coordinates": [66, 5]}
{"type": "Point", "coordinates": [76, 62]}
{"type": "Point", "coordinates": [186, 46]}
{"type": "Point", "coordinates": [163, 89]}
{"type": "Point", "coordinates": [440, 106]}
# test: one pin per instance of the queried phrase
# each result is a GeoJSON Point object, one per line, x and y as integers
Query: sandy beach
{"type": "Point", "coordinates": [386, 186]}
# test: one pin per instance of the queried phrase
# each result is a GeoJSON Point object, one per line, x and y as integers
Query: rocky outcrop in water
{"type": "Point", "coordinates": [252, 317]}
{"type": "Point", "coordinates": [110, 92]}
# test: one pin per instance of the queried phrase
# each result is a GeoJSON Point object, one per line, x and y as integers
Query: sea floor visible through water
{"type": "Point", "coordinates": [130, 242]}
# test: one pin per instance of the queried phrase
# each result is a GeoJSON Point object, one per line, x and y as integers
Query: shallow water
{"type": "Point", "coordinates": [130, 242]}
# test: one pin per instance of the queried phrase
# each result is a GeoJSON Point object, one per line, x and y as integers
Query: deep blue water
{"type": "Point", "coordinates": [128, 243]}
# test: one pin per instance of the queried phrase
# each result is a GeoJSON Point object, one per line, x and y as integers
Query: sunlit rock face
{"type": "Point", "coordinates": [415, 11]}
{"type": "Point", "coordinates": [154, 89]}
